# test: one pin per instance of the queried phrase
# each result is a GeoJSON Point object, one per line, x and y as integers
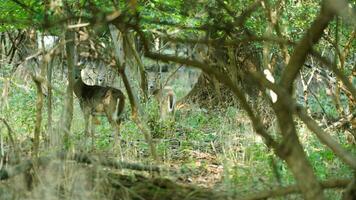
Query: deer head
{"type": "Point", "coordinates": [165, 96]}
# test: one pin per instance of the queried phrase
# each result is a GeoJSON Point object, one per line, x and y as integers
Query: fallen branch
{"type": "Point", "coordinates": [113, 163]}
{"type": "Point", "coordinates": [293, 189]}
{"type": "Point", "coordinates": [23, 167]}
{"type": "Point", "coordinates": [80, 158]}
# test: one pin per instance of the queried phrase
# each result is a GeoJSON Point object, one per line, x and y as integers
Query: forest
{"type": "Point", "coordinates": [178, 99]}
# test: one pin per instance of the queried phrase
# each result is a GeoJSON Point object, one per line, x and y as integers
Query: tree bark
{"type": "Point", "coordinates": [38, 123]}
{"type": "Point", "coordinates": [143, 77]}
{"type": "Point", "coordinates": [49, 100]}
{"type": "Point", "coordinates": [68, 104]}
{"type": "Point", "coordinates": [135, 108]}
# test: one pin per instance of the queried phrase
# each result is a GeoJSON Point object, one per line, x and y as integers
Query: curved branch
{"type": "Point", "coordinates": [302, 49]}
{"type": "Point", "coordinates": [326, 139]}
{"type": "Point", "coordinates": [337, 72]}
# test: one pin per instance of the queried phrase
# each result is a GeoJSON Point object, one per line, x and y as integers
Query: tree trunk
{"type": "Point", "coordinates": [292, 152]}
{"type": "Point", "coordinates": [49, 100]}
{"type": "Point", "coordinates": [68, 105]}
{"type": "Point", "coordinates": [39, 80]}
{"type": "Point", "coordinates": [143, 75]}
{"type": "Point", "coordinates": [207, 92]}
{"type": "Point", "coordinates": [39, 106]}
{"type": "Point", "coordinates": [136, 111]}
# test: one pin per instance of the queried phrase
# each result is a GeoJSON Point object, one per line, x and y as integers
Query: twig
{"type": "Point", "coordinates": [341, 121]}
{"type": "Point", "coordinates": [238, 21]}
{"type": "Point", "coordinates": [325, 138]}
{"type": "Point", "coordinates": [319, 103]}
{"type": "Point", "coordinates": [132, 49]}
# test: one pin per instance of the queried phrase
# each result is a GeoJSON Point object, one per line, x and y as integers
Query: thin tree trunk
{"type": "Point", "coordinates": [292, 152]}
{"type": "Point", "coordinates": [2, 48]}
{"type": "Point", "coordinates": [135, 109]}
{"type": "Point", "coordinates": [49, 100]}
{"type": "Point", "coordinates": [39, 107]}
{"type": "Point", "coordinates": [39, 80]}
{"type": "Point", "coordinates": [350, 191]}
{"type": "Point", "coordinates": [337, 95]}
{"type": "Point", "coordinates": [291, 149]}
{"type": "Point", "coordinates": [143, 83]}
{"type": "Point", "coordinates": [47, 59]}
{"type": "Point", "coordinates": [68, 105]}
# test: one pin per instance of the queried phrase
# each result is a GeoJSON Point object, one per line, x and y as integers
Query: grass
{"type": "Point", "coordinates": [211, 148]}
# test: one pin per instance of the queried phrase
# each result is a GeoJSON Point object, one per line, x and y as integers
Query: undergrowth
{"type": "Point", "coordinates": [211, 148]}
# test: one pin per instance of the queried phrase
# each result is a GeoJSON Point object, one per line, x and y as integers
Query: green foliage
{"type": "Point", "coordinates": [223, 133]}
{"type": "Point", "coordinates": [16, 16]}
{"type": "Point", "coordinates": [323, 103]}
{"type": "Point", "coordinates": [21, 109]}
{"type": "Point", "coordinates": [226, 135]}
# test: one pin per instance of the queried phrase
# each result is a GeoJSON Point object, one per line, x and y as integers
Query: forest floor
{"type": "Point", "coordinates": [203, 154]}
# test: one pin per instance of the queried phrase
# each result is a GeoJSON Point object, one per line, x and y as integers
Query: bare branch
{"type": "Point", "coordinates": [136, 111]}
{"type": "Point", "coordinates": [300, 53]}
{"type": "Point", "coordinates": [235, 42]}
{"type": "Point", "coordinates": [337, 72]}
{"type": "Point", "coordinates": [326, 139]}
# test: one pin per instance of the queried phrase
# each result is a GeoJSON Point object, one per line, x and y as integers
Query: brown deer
{"type": "Point", "coordinates": [96, 100]}
{"type": "Point", "coordinates": [165, 97]}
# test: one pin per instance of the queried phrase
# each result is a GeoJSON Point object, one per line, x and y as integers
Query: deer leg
{"type": "Point", "coordinates": [92, 130]}
{"type": "Point", "coordinates": [89, 129]}
{"type": "Point", "coordinates": [113, 124]}
{"type": "Point", "coordinates": [86, 113]}
{"type": "Point", "coordinates": [116, 131]}
{"type": "Point", "coordinates": [112, 110]}
{"type": "Point", "coordinates": [88, 125]}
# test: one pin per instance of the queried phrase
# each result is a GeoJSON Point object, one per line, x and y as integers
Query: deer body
{"type": "Point", "coordinates": [96, 100]}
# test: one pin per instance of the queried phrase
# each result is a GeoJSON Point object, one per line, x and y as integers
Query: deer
{"type": "Point", "coordinates": [165, 97]}
{"type": "Point", "coordinates": [96, 100]}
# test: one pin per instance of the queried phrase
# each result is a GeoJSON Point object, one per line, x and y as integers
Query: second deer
{"type": "Point", "coordinates": [166, 98]}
